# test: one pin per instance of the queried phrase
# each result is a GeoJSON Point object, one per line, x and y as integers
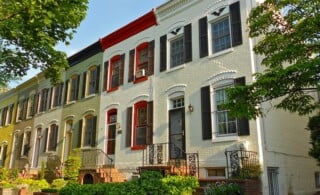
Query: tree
{"type": "Point", "coordinates": [29, 31]}
{"type": "Point", "coordinates": [288, 34]}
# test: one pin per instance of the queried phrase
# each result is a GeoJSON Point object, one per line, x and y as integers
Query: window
{"type": "Point", "coordinates": [26, 143]}
{"type": "Point", "coordinates": [176, 52]}
{"type": "Point", "coordinates": [221, 35]}
{"type": "Point", "coordinates": [90, 131]}
{"type": "Point", "coordinates": [180, 44]}
{"type": "Point", "coordinates": [224, 29]}
{"type": "Point", "coordinates": [273, 173]}
{"type": "Point", "coordinates": [57, 95]}
{"type": "Point", "coordinates": [217, 123]}
{"type": "Point", "coordinates": [3, 154]}
{"type": "Point", "coordinates": [142, 125]}
{"type": "Point", "coordinates": [92, 85]}
{"type": "Point", "coordinates": [317, 179]}
{"type": "Point", "coordinates": [116, 72]}
{"type": "Point", "coordinates": [141, 62]}
{"type": "Point", "coordinates": [44, 100]}
{"type": "Point", "coordinates": [216, 172]}
{"type": "Point", "coordinates": [50, 138]}
{"type": "Point", "coordinates": [112, 126]}
{"type": "Point", "coordinates": [225, 124]}
{"type": "Point", "coordinates": [10, 114]}
{"type": "Point", "coordinates": [74, 88]}
{"type": "Point", "coordinates": [4, 113]}
{"type": "Point", "coordinates": [53, 137]}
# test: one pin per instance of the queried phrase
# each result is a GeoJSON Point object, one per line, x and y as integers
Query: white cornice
{"type": "Point", "coordinates": [172, 7]}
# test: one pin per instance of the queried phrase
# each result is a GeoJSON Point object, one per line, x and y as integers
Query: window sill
{"type": "Point", "coordinates": [176, 68]}
{"type": "Point", "coordinates": [141, 79]}
{"type": "Point", "coordinates": [90, 96]}
{"type": "Point", "coordinates": [220, 53]}
{"type": "Point", "coordinates": [71, 102]}
{"type": "Point", "coordinates": [225, 139]}
{"type": "Point", "coordinates": [113, 89]}
{"type": "Point", "coordinates": [138, 147]}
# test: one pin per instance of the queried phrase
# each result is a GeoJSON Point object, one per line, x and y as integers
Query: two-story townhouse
{"type": "Point", "coordinates": [81, 108]}
{"type": "Point", "coordinates": [8, 104]}
{"type": "Point", "coordinates": [201, 49]}
{"type": "Point", "coordinates": [215, 53]}
{"type": "Point", "coordinates": [24, 120]}
{"type": "Point", "coordinates": [128, 85]}
{"type": "Point", "coordinates": [47, 108]}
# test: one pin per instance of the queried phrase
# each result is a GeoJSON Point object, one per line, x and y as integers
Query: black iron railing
{"type": "Point", "coordinates": [238, 161]}
{"type": "Point", "coordinates": [168, 154]}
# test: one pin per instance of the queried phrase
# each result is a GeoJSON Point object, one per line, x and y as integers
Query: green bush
{"type": "Point", "coordinates": [49, 190]}
{"type": "Point", "coordinates": [224, 189]}
{"type": "Point", "coordinates": [71, 168]}
{"type": "Point", "coordinates": [58, 183]}
{"type": "Point", "coordinates": [149, 183]}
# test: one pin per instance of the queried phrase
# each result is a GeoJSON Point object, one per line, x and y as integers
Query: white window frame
{"type": "Point", "coordinates": [175, 33]}
{"type": "Point", "coordinates": [213, 19]}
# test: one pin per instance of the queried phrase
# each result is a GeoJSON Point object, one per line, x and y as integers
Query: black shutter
{"type": "Point", "coordinates": [121, 71]}
{"type": "Point", "coordinates": [98, 79]}
{"type": "Point", "coordinates": [84, 84]}
{"type": "Point", "coordinates": [60, 94]}
{"type": "Point", "coordinates": [94, 131]}
{"type": "Point", "coordinates": [243, 123]}
{"type": "Point", "coordinates": [36, 104]}
{"type": "Point", "coordinates": [50, 98]}
{"type": "Point", "coordinates": [149, 135]}
{"type": "Point", "coordinates": [79, 133]}
{"type": "Point", "coordinates": [77, 88]}
{"type": "Point", "coordinates": [131, 65]}
{"type": "Point", "coordinates": [203, 37]}
{"type": "Point", "coordinates": [151, 58]}
{"type": "Point", "coordinates": [66, 91]}
{"type": "Point", "coordinates": [163, 53]}
{"type": "Point", "coordinates": [45, 137]}
{"type": "Point", "coordinates": [235, 24]}
{"type": "Point", "coordinates": [105, 76]}
{"type": "Point", "coordinates": [206, 113]}
{"type": "Point", "coordinates": [188, 43]}
{"type": "Point", "coordinates": [129, 127]}
{"type": "Point", "coordinates": [55, 140]}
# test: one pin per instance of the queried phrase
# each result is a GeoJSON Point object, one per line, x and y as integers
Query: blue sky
{"type": "Point", "coordinates": [103, 17]}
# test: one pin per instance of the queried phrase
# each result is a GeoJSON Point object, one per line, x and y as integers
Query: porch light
{"type": "Point", "coordinates": [190, 107]}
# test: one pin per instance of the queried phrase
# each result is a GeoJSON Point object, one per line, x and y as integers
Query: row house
{"type": "Point", "coordinates": [148, 96]}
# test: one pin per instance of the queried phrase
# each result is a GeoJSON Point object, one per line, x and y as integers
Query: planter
{"type": "Point", "coordinates": [9, 191]}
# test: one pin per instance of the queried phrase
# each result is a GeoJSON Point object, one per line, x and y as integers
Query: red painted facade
{"type": "Point", "coordinates": [129, 30]}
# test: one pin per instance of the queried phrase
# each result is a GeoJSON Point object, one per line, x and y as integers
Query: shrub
{"type": "Point", "coordinates": [71, 168]}
{"type": "Point", "coordinates": [49, 190]}
{"type": "Point", "coordinates": [180, 184]}
{"type": "Point", "coordinates": [224, 189]}
{"type": "Point", "coordinates": [148, 183]}
{"type": "Point", "coordinates": [58, 183]}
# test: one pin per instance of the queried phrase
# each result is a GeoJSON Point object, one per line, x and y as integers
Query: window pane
{"type": "Point", "coordinates": [88, 131]}
{"type": "Point", "coordinates": [141, 136]}
{"type": "Point", "coordinates": [177, 52]}
{"type": "Point", "coordinates": [142, 116]}
{"type": "Point", "coordinates": [92, 81]}
{"type": "Point", "coordinates": [115, 74]}
{"type": "Point", "coordinates": [221, 35]}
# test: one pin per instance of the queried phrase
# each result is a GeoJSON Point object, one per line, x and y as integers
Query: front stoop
{"type": "Point", "coordinates": [102, 175]}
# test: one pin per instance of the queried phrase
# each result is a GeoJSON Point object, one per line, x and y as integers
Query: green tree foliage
{"type": "Point", "coordinates": [29, 31]}
{"type": "Point", "coordinates": [288, 38]}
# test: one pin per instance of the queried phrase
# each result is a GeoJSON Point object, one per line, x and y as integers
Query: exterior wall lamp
{"type": "Point", "coordinates": [190, 107]}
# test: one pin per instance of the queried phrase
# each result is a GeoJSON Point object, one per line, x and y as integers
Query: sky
{"type": "Point", "coordinates": [103, 17]}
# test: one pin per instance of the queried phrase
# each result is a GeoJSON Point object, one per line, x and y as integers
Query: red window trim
{"type": "Point", "coordinates": [138, 49]}
{"type": "Point", "coordinates": [109, 113]}
{"type": "Point", "coordinates": [112, 60]}
{"type": "Point", "coordinates": [135, 114]}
